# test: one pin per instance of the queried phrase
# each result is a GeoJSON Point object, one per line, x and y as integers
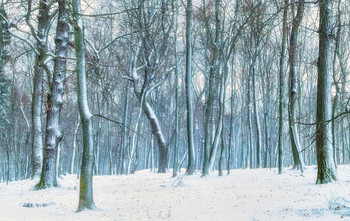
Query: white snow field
{"type": "Point", "coordinates": [259, 194]}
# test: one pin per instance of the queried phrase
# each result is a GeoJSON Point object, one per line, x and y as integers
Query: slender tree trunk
{"type": "Point", "coordinates": [337, 91]}
{"type": "Point", "coordinates": [257, 122]}
{"type": "Point", "coordinates": [152, 154]}
{"type": "Point", "coordinates": [85, 195]}
{"type": "Point", "coordinates": [37, 138]}
{"type": "Point", "coordinates": [55, 100]}
{"type": "Point", "coordinates": [222, 139]}
{"type": "Point", "coordinates": [133, 140]}
{"type": "Point", "coordinates": [281, 88]}
{"type": "Point", "coordinates": [176, 84]}
{"type": "Point", "coordinates": [250, 149]}
{"type": "Point", "coordinates": [231, 127]}
{"type": "Point", "coordinates": [74, 147]}
{"type": "Point", "coordinates": [190, 142]}
{"type": "Point", "coordinates": [293, 75]}
{"type": "Point", "coordinates": [326, 171]}
{"type": "Point", "coordinates": [125, 129]}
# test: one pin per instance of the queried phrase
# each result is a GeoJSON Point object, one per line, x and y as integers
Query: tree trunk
{"type": "Point", "coordinates": [133, 140]}
{"type": "Point", "coordinates": [190, 142]}
{"type": "Point", "coordinates": [74, 147]}
{"type": "Point", "coordinates": [158, 134]}
{"type": "Point", "coordinates": [257, 122]}
{"type": "Point", "coordinates": [55, 100]}
{"type": "Point", "coordinates": [281, 88]}
{"type": "Point", "coordinates": [221, 159]}
{"type": "Point", "coordinates": [250, 149]}
{"type": "Point", "coordinates": [326, 171]}
{"type": "Point", "coordinates": [125, 129]}
{"type": "Point", "coordinates": [37, 138]}
{"type": "Point", "coordinates": [214, 67]}
{"type": "Point", "coordinates": [231, 127]}
{"type": "Point", "coordinates": [293, 131]}
{"type": "Point", "coordinates": [85, 194]}
{"type": "Point", "coordinates": [176, 84]}
{"type": "Point", "coordinates": [219, 128]}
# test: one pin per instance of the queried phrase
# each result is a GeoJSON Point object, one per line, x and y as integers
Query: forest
{"type": "Point", "coordinates": [174, 90]}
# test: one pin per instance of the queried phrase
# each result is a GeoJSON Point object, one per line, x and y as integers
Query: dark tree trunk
{"type": "Point", "coordinates": [293, 76]}
{"type": "Point", "coordinates": [326, 171]}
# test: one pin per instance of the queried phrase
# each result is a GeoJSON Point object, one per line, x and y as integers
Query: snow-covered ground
{"type": "Point", "coordinates": [259, 194]}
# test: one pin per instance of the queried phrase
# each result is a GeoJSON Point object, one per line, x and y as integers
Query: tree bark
{"type": "Point", "coordinates": [37, 137]}
{"type": "Point", "coordinates": [214, 66]}
{"type": "Point", "coordinates": [85, 194]}
{"type": "Point", "coordinates": [281, 88]}
{"type": "Point", "coordinates": [231, 127]}
{"type": "Point", "coordinates": [326, 171]}
{"type": "Point", "coordinates": [293, 76]}
{"type": "Point", "coordinates": [177, 111]}
{"type": "Point", "coordinates": [190, 142]}
{"type": "Point", "coordinates": [219, 128]}
{"type": "Point", "coordinates": [76, 130]}
{"type": "Point", "coordinates": [158, 134]}
{"type": "Point", "coordinates": [55, 100]}
{"type": "Point", "coordinates": [256, 120]}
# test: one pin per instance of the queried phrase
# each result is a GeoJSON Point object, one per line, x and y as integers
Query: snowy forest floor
{"type": "Point", "coordinates": [259, 194]}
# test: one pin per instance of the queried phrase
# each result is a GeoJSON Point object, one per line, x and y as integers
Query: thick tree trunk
{"type": "Point", "coordinates": [326, 171]}
{"type": "Point", "coordinates": [85, 194]}
{"type": "Point", "coordinates": [37, 138]}
{"type": "Point", "coordinates": [55, 100]}
{"type": "Point", "coordinates": [281, 88]}
{"type": "Point", "coordinates": [293, 75]}
{"type": "Point", "coordinates": [190, 142]}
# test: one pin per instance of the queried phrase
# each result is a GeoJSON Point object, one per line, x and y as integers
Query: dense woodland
{"type": "Point", "coordinates": [102, 87]}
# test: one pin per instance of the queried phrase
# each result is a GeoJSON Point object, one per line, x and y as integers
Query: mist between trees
{"type": "Point", "coordinates": [116, 86]}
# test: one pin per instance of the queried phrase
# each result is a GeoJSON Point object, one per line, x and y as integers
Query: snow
{"type": "Point", "coordinates": [259, 194]}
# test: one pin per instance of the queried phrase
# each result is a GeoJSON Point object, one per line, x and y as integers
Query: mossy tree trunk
{"type": "Point", "coordinates": [85, 194]}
